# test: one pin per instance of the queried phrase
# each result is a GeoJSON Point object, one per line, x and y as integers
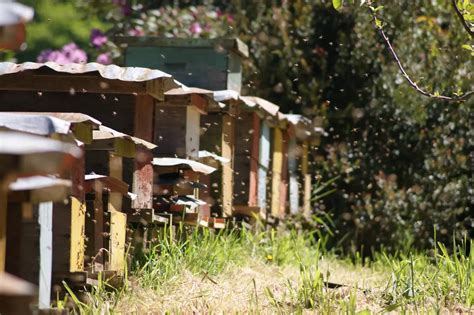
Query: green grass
{"type": "Point", "coordinates": [422, 282]}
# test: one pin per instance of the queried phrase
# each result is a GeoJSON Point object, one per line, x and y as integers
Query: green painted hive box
{"type": "Point", "coordinates": [213, 64]}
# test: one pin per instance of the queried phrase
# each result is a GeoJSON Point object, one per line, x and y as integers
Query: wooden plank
{"type": "Point", "coordinates": [276, 170]}
{"type": "Point", "coordinates": [45, 221]}
{"type": "Point", "coordinates": [193, 129]}
{"type": "Point", "coordinates": [144, 117]}
{"type": "Point", "coordinates": [293, 173]}
{"type": "Point", "coordinates": [78, 210]}
{"type": "Point", "coordinates": [116, 171]}
{"type": "Point", "coordinates": [77, 175]}
{"type": "Point", "coordinates": [74, 82]}
{"type": "Point", "coordinates": [284, 176]}
{"type": "Point", "coordinates": [170, 130]}
{"type": "Point", "coordinates": [307, 180]}
{"type": "Point", "coordinates": [228, 147]}
{"type": "Point", "coordinates": [143, 179]}
{"type": "Point", "coordinates": [3, 224]}
{"type": "Point", "coordinates": [254, 159]}
{"type": "Point", "coordinates": [95, 234]}
{"type": "Point", "coordinates": [118, 228]}
{"type": "Point", "coordinates": [264, 164]}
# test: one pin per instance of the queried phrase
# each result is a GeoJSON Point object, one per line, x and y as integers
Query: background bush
{"type": "Point", "coordinates": [406, 162]}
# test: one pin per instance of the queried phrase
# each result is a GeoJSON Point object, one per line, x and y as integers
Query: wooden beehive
{"type": "Point", "coordinates": [177, 182]}
{"type": "Point", "coordinates": [213, 64]}
{"type": "Point", "coordinates": [177, 122]}
{"type": "Point", "coordinates": [106, 225]}
{"type": "Point", "coordinates": [218, 137]}
{"type": "Point", "coordinates": [30, 155]}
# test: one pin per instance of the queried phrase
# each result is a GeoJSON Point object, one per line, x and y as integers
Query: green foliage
{"type": "Point", "coordinates": [405, 161]}
{"type": "Point", "coordinates": [55, 24]}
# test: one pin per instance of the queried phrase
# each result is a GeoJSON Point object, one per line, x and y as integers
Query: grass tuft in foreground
{"type": "Point", "coordinates": [197, 270]}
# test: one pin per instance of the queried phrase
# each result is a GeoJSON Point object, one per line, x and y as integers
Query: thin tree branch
{"type": "Point", "coordinates": [461, 19]}
{"type": "Point", "coordinates": [412, 83]}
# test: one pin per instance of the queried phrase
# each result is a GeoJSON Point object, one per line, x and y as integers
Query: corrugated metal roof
{"type": "Point", "coordinates": [70, 117]}
{"type": "Point", "coordinates": [22, 144]}
{"type": "Point", "coordinates": [111, 183]}
{"type": "Point", "coordinates": [38, 182]}
{"type": "Point", "coordinates": [267, 106]}
{"type": "Point", "coordinates": [250, 101]}
{"type": "Point", "coordinates": [297, 119]}
{"type": "Point", "coordinates": [111, 72]}
{"type": "Point", "coordinates": [184, 90]}
{"type": "Point", "coordinates": [13, 13]}
{"type": "Point", "coordinates": [108, 133]}
{"type": "Point", "coordinates": [34, 124]}
{"type": "Point", "coordinates": [195, 166]}
{"type": "Point", "coordinates": [206, 154]}
{"type": "Point", "coordinates": [304, 122]}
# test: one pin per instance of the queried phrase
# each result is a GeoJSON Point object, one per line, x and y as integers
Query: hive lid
{"type": "Point", "coordinates": [195, 166]}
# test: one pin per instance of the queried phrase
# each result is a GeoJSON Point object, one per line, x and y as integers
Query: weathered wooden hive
{"type": "Point", "coordinates": [177, 122]}
{"type": "Point", "coordinates": [27, 155]}
{"type": "Point", "coordinates": [178, 186]}
{"type": "Point", "coordinates": [106, 226]}
{"type": "Point", "coordinates": [213, 64]}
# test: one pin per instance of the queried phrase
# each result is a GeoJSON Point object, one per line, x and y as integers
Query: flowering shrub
{"type": "Point", "coordinates": [69, 53]}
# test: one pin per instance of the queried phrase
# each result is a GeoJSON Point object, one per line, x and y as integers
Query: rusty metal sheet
{"type": "Point", "coordinates": [184, 90]}
{"type": "Point", "coordinates": [99, 182]}
{"type": "Point", "coordinates": [73, 118]}
{"type": "Point", "coordinates": [195, 166]}
{"type": "Point", "coordinates": [34, 124]}
{"type": "Point", "coordinates": [104, 133]}
{"type": "Point", "coordinates": [13, 13]}
{"type": "Point", "coordinates": [262, 104]}
{"type": "Point", "coordinates": [17, 143]}
{"type": "Point", "coordinates": [37, 182]}
{"type": "Point", "coordinates": [249, 101]}
{"type": "Point", "coordinates": [206, 154]}
{"type": "Point", "coordinates": [36, 189]}
{"type": "Point", "coordinates": [111, 72]}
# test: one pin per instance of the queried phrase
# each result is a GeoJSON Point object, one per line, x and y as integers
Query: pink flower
{"type": "Point", "coordinates": [136, 32]}
{"type": "Point", "coordinates": [73, 54]}
{"type": "Point", "coordinates": [97, 38]}
{"type": "Point", "coordinates": [230, 18]}
{"type": "Point", "coordinates": [44, 56]}
{"type": "Point", "coordinates": [195, 28]}
{"type": "Point", "coordinates": [104, 59]}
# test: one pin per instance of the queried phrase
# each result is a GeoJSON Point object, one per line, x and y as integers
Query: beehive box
{"type": "Point", "coordinates": [213, 64]}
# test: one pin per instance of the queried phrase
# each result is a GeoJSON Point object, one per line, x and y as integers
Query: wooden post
{"type": "Point", "coordinates": [45, 221]}
{"type": "Point", "coordinates": [142, 180]}
{"type": "Point", "coordinates": [144, 117]}
{"type": "Point", "coordinates": [264, 164]}
{"type": "Point", "coordinates": [253, 182]}
{"type": "Point", "coordinates": [78, 219]}
{"type": "Point", "coordinates": [284, 176]}
{"type": "Point", "coordinates": [118, 228]}
{"type": "Point", "coordinates": [307, 180]}
{"type": "Point", "coordinates": [98, 228]}
{"type": "Point", "coordinates": [276, 170]}
{"type": "Point", "coordinates": [117, 219]}
{"type": "Point", "coordinates": [3, 223]}
{"type": "Point", "coordinates": [293, 173]}
{"type": "Point", "coordinates": [193, 128]}
{"type": "Point", "coordinates": [116, 171]}
{"type": "Point", "coordinates": [227, 145]}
